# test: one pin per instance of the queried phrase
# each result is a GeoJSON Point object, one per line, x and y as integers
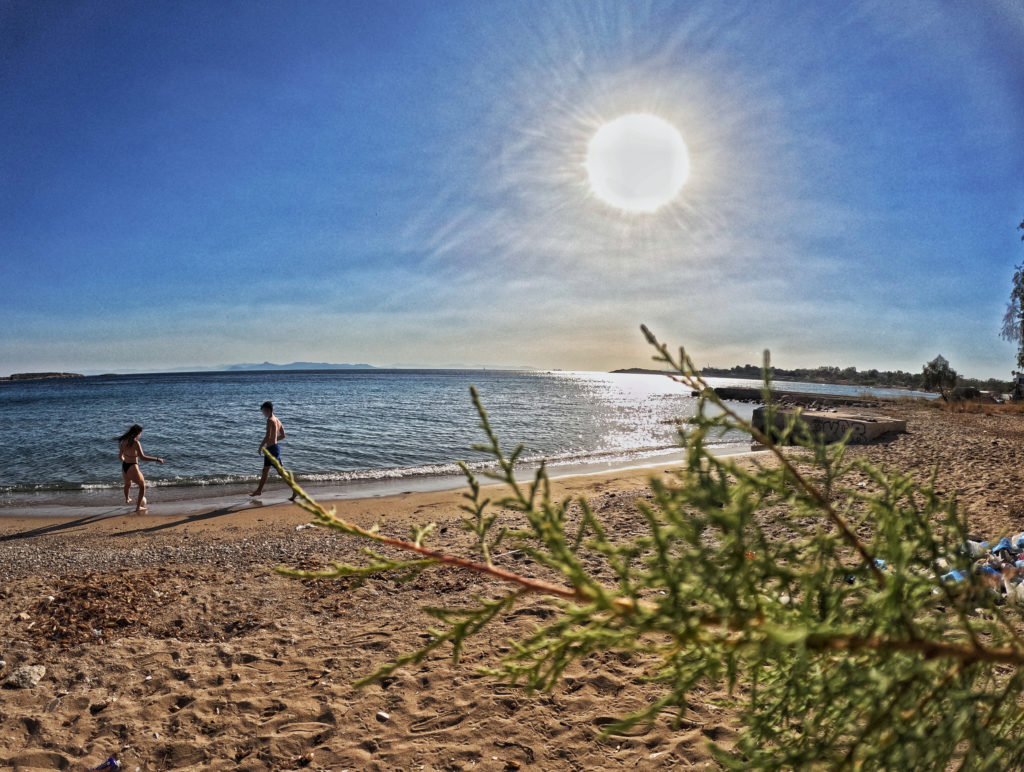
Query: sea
{"type": "Point", "coordinates": [350, 433]}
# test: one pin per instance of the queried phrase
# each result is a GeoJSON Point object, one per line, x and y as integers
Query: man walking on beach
{"type": "Point", "coordinates": [274, 434]}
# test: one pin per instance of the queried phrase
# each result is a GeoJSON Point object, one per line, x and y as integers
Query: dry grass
{"type": "Point", "coordinates": [976, 406]}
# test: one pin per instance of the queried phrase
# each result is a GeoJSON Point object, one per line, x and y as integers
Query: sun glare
{"type": "Point", "coordinates": [637, 162]}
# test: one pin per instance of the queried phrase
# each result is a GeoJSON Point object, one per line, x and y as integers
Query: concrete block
{"type": "Point", "coordinates": [832, 427]}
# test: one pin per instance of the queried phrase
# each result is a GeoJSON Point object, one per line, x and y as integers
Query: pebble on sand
{"type": "Point", "coordinates": [25, 677]}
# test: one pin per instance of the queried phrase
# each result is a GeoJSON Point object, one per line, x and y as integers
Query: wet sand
{"type": "Point", "coordinates": [172, 641]}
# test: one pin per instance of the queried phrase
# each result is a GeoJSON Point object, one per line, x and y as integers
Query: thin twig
{"type": "Point", "coordinates": [694, 380]}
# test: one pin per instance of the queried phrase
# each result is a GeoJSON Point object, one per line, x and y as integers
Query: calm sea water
{"type": "Point", "coordinates": [347, 430]}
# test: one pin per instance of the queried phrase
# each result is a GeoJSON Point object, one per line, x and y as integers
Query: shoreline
{"type": "Point", "coordinates": [189, 500]}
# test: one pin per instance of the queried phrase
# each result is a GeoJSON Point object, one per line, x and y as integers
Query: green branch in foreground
{"type": "Point", "coordinates": [765, 577]}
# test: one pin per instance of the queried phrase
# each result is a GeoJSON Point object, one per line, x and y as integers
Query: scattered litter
{"type": "Point", "coordinates": [975, 548]}
{"type": "Point", "coordinates": [1000, 566]}
{"type": "Point", "coordinates": [110, 763]}
{"type": "Point", "coordinates": [304, 526]}
{"type": "Point", "coordinates": [382, 716]}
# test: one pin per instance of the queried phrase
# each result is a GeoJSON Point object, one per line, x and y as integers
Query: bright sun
{"type": "Point", "coordinates": [637, 162]}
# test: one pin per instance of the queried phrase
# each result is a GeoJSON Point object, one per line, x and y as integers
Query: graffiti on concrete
{"type": "Point", "coordinates": [834, 429]}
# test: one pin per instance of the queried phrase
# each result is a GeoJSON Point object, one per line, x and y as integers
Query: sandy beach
{"type": "Point", "coordinates": [171, 641]}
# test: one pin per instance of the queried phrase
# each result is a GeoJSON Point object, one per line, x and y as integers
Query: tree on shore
{"type": "Point", "coordinates": [937, 375]}
{"type": "Point", "coordinates": [834, 599]}
{"type": "Point", "coordinates": [1013, 321]}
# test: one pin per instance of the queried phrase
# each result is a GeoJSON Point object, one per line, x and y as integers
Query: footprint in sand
{"type": "Point", "coordinates": [604, 684]}
{"type": "Point", "coordinates": [542, 612]}
{"type": "Point", "coordinates": [311, 732]}
{"type": "Point", "coordinates": [436, 723]}
{"type": "Point", "coordinates": [181, 701]}
{"type": "Point", "coordinates": [266, 665]}
{"type": "Point", "coordinates": [638, 730]}
{"type": "Point", "coordinates": [374, 641]}
{"type": "Point", "coordinates": [506, 690]}
{"type": "Point", "coordinates": [38, 759]}
{"type": "Point", "coordinates": [273, 708]}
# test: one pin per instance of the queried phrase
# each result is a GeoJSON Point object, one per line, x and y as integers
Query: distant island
{"type": "Point", "coordinates": [38, 376]}
{"type": "Point", "coordinates": [841, 376]}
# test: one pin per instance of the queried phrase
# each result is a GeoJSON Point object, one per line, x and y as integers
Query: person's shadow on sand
{"type": "Point", "coordinates": [67, 525]}
{"type": "Point", "coordinates": [229, 510]}
{"type": "Point", "coordinates": [63, 526]}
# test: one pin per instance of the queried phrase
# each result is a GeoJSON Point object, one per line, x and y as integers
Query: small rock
{"type": "Point", "coordinates": [25, 677]}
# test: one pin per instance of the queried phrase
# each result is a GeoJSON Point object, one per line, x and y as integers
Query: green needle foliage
{"type": "Point", "coordinates": [810, 585]}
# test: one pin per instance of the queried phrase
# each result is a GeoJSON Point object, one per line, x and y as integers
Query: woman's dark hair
{"type": "Point", "coordinates": [129, 435]}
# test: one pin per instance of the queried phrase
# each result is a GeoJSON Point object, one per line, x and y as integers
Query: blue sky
{"type": "Point", "coordinates": [403, 183]}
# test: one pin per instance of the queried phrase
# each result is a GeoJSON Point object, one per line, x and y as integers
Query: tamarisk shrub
{"type": "Point", "coordinates": [841, 644]}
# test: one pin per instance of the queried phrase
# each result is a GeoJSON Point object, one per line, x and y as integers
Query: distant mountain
{"type": "Point", "coordinates": [298, 366]}
{"type": "Point", "coordinates": [237, 368]}
{"type": "Point", "coordinates": [253, 367]}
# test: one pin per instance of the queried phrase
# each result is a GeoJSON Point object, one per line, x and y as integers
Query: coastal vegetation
{"type": "Point", "coordinates": [843, 645]}
{"type": "Point", "coordinates": [937, 375]}
{"type": "Point", "coordinates": [843, 376]}
{"type": "Point", "coordinates": [1013, 320]}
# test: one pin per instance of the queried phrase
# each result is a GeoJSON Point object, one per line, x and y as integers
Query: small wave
{"type": "Point", "coordinates": [64, 486]}
{"type": "Point", "coordinates": [446, 469]}
{"type": "Point", "coordinates": [55, 487]}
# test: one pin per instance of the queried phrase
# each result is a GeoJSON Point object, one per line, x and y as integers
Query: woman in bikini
{"type": "Point", "coordinates": [131, 455]}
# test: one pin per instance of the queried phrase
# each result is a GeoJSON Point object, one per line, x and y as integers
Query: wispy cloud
{"type": "Point", "coordinates": [419, 196]}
